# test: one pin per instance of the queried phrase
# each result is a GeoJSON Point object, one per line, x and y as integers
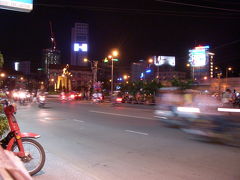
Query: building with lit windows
{"type": "Point", "coordinates": [79, 44]}
{"type": "Point", "coordinates": [138, 69]}
{"type": "Point", "coordinates": [50, 56]}
{"type": "Point", "coordinates": [201, 61]}
{"type": "Point", "coordinates": [23, 66]}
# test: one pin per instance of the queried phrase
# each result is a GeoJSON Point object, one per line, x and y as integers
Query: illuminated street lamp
{"type": "Point", "coordinates": [85, 60]}
{"type": "Point", "coordinates": [115, 53]}
{"type": "Point", "coordinates": [150, 61]}
{"type": "Point", "coordinates": [21, 78]}
{"type": "Point", "coordinates": [2, 75]}
{"type": "Point", "coordinates": [125, 77]}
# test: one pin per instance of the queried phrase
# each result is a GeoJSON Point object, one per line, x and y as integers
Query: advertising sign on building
{"type": "Point", "coordinates": [164, 60]}
{"type": "Point", "coordinates": [17, 5]}
{"type": "Point", "coordinates": [80, 47]}
{"type": "Point", "coordinates": [198, 56]}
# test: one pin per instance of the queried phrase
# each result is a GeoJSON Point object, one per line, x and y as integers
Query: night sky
{"type": "Point", "coordinates": [138, 28]}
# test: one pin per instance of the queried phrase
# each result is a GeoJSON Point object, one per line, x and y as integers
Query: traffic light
{"type": "Point", "coordinates": [105, 60]}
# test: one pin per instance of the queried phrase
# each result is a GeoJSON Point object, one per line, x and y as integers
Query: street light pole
{"type": "Point", "coordinates": [112, 79]}
{"type": "Point", "coordinates": [114, 53]}
{"type": "Point", "coordinates": [227, 69]}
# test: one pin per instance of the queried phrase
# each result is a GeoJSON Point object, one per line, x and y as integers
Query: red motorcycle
{"type": "Point", "coordinates": [23, 144]}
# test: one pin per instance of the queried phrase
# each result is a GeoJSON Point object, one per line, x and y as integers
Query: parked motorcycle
{"type": "Point", "coordinates": [23, 145]}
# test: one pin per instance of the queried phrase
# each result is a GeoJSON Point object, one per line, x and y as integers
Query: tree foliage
{"type": "Point", "coordinates": [143, 87]}
{"type": "Point", "coordinates": [183, 84]}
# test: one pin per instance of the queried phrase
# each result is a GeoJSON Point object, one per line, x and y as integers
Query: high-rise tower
{"type": "Point", "coordinates": [79, 44]}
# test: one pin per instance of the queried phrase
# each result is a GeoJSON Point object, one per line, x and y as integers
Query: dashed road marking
{"type": "Point", "coordinates": [77, 120]}
{"type": "Point", "coordinates": [136, 132]}
{"type": "Point", "coordinates": [123, 115]}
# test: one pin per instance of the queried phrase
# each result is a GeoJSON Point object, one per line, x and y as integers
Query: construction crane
{"type": "Point", "coordinates": [53, 42]}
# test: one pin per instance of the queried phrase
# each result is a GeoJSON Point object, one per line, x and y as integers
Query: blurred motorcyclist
{"type": "Point", "coordinates": [40, 93]}
{"type": "Point", "coordinates": [227, 97]}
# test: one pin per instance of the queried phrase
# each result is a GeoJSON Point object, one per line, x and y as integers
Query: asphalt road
{"type": "Point", "coordinates": [97, 141]}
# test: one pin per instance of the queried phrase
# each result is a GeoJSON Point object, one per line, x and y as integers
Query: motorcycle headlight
{"type": "Point", "coordinates": [42, 98]}
{"type": "Point", "coordinates": [22, 95]}
{"type": "Point", "coordinates": [15, 94]}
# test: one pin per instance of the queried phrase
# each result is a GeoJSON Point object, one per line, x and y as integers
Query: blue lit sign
{"type": "Point", "coordinates": [17, 5]}
{"type": "Point", "coordinates": [83, 47]}
{"type": "Point", "coordinates": [148, 71]}
{"type": "Point", "coordinates": [142, 75]}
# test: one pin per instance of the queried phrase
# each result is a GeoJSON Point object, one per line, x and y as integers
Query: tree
{"type": "Point", "coordinates": [183, 84]}
{"type": "Point", "coordinates": [1, 60]}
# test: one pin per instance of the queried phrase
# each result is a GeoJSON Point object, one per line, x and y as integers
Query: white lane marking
{"type": "Point", "coordinates": [161, 117]}
{"type": "Point", "coordinates": [124, 115]}
{"type": "Point", "coordinates": [44, 121]}
{"type": "Point", "coordinates": [77, 120]}
{"type": "Point", "coordinates": [228, 110]}
{"type": "Point", "coordinates": [136, 132]}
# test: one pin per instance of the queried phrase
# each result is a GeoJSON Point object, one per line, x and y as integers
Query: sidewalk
{"type": "Point", "coordinates": [56, 168]}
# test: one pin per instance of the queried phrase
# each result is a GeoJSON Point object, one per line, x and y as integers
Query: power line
{"type": "Point", "coordinates": [148, 12]}
{"type": "Point", "coordinates": [221, 2]}
{"type": "Point", "coordinates": [199, 6]}
{"type": "Point", "coordinates": [227, 44]}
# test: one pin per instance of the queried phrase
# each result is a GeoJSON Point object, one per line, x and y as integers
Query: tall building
{"type": "Point", "coordinates": [201, 61]}
{"type": "Point", "coordinates": [138, 69]}
{"type": "Point", "coordinates": [79, 44]}
{"type": "Point", "coordinates": [50, 56]}
{"type": "Point", "coordinates": [22, 66]}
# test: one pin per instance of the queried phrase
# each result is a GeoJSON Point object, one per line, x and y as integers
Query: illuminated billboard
{"type": "Point", "coordinates": [164, 60]}
{"type": "Point", "coordinates": [80, 47]}
{"type": "Point", "coordinates": [17, 5]}
{"type": "Point", "coordinates": [198, 56]}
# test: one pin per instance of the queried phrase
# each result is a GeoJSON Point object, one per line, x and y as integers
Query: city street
{"type": "Point", "coordinates": [101, 142]}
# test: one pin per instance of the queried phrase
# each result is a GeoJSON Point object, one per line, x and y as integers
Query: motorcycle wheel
{"type": "Point", "coordinates": [35, 160]}
{"type": "Point", "coordinates": [40, 105]}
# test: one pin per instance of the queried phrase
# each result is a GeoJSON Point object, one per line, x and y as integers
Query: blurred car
{"type": "Point", "coordinates": [68, 96]}
{"type": "Point", "coordinates": [117, 98]}
{"type": "Point", "coordinates": [78, 95]}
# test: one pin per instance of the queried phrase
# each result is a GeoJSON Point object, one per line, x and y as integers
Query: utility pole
{"type": "Point", "coordinates": [94, 65]}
